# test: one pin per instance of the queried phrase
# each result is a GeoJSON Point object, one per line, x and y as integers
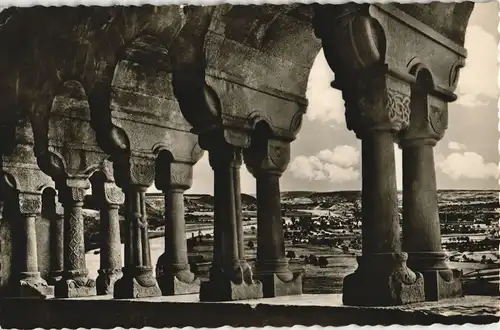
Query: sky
{"type": "Point", "coordinates": [326, 156]}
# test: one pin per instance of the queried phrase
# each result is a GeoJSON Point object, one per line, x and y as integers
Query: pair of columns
{"type": "Point", "coordinates": [69, 239]}
{"type": "Point", "coordinates": [231, 277]}
{"type": "Point", "coordinates": [382, 116]}
{"type": "Point", "coordinates": [68, 275]}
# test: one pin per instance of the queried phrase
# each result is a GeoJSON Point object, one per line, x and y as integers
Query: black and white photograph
{"type": "Point", "coordinates": [249, 165]}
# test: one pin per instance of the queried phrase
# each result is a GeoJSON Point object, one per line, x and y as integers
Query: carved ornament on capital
{"type": "Point", "coordinates": [142, 171]}
{"type": "Point", "coordinates": [30, 204]}
{"type": "Point", "coordinates": [379, 102]}
{"type": "Point", "coordinates": [112, 194]}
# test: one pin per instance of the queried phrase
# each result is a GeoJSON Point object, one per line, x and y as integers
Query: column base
{"type": "Point", "coordinates": [75, 287]}
{"type": "Point", "coordinates": [383, 280]}
{"type": "Point", "coordinates": [230, 291]}
{"type": "Point", "coordinates": [172, 285]}
{"type": "Point", "coordinates": [274, 285]}
{"type": "Point", "coordinates": [105, 282]}
{"type": "Point", "coordinates": [33, 287]}
{"type": "Point", "coordinates": [137, 282]}
{"type": "Point", "coordinates": [224, 287]}
{"type": "Point", "coordinates": [442, 284]}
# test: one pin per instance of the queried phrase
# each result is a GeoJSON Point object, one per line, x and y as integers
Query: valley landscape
{"type": "Point", "coordinates": [323, 234]}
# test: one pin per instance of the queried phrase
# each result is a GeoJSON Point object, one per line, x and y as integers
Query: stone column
{"type": "Point", "coordinates": [267, 159]}
{"type": "Point", "coordinates": [173, 272]}
{"type": "Point", "coordinates": [111, 198]}
{"type": "Point", "coordinates": [227, 281]}
{"type": "Point", "coordinates": [30, 282]}
{"type": "Point", "coordinates": [378, 110]}
{"type": "Point", "coordinates": [57, 244]}
{"type": "Point", "coordinates": [245, 267]}
{"type": "Point", "coordinates": [421, 225]}
{"type": "Point", "coordinates": [74, 282]}
{"type": "Point", "coordinates": [138, 280]}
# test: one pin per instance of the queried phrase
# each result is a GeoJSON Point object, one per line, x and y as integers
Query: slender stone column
{"type": "Point", "coordinates": [421, 225]}
{"type": "Point", "coordinates": [138, 280]}
{"type": "Point", "coordinates": [30, 282]}
{"type": "Point", "coordinates": [227, 281]}
{"type": "Point", "coordinates": [173, 271]}
{"type": "Point", "coordinates": [57, 245]}
{"type": "Point", "coordinates": [75, 282]}
{"type": "Point", "coordinates": [267, 160]}
{"type": "Point", "coordinates": [382, 277]}
{"type": "Point", "coordinates": [111, 197]}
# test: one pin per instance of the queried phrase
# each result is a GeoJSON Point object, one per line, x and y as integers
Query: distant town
{"type": "Point", "coordinates": [323, 231]}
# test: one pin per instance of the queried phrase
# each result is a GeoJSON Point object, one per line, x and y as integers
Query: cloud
{"type": "Point", "coordinates": [478, 80]}
{"type": "Point", "coordinates": [467, 165]}
{"type": "Point", "coordinates": [337, 165]}
{"type": "Point", "coordinates": [456, 146]}
{"type": "Point", "coordinates": [325, 103]}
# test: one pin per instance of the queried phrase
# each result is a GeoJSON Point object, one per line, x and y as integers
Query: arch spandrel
{"type": "Point", "coordinates": [251, 54]}
{"type": "Point", "coordinates": [71, 138]}
{"type": "Point", "coordinates": [144, 106]}
{"type": "Point", "coordinates": [361, 37]}
{"type": "Point", "coordinates": [21, 164]}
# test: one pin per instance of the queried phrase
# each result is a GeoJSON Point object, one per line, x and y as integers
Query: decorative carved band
{"type": "Point", "coordinates": [398, 107]}
{"type": "Point", "coordinates": [77, 194]}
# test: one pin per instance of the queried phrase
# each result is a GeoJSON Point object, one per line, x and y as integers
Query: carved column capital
{"type": "Point", "coordinates": [377, 102]}
{"type": "Point", "coordinates": [30, 203]}
{"type": "Point", "coordinates": [225, 155]}
{"type": "Point", "coordinates": [270, 156]}
{"type": "Point", "coordinates": [113, 195]}
{"type": "Point", "coordinates": [73, 191]}
{"type": "Point", "coordinates": [429, 120]}
{"type": "Point", "coordinates": [142, 171]}
{"type": "Point", "coordinates": [179, 177]}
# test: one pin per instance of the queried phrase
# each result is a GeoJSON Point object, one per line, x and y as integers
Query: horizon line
{"type": "Point", "coordinates": [333, 191]}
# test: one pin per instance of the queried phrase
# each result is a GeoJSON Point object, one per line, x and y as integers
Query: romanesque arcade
{"type": "Point", "coordinates": [122, 98]}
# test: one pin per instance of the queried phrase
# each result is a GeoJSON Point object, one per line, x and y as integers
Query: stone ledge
{"type": "Point", "coordinates": [180, 311]}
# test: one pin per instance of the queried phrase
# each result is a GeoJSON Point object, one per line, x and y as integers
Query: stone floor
{"type": "Point", "coordinates": [179, 311]}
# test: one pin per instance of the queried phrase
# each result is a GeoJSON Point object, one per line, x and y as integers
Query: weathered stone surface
{"type": "Point", "coordinates": [437, 16]}
{"type": "Point", "coordinates": [227, 290]}
{"type": "Point", "coordinates": [274, 286]}
{"type": "Point", "coordinates": [286, 311]}
{"type": "Point", "coordinates": [383, 280]}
